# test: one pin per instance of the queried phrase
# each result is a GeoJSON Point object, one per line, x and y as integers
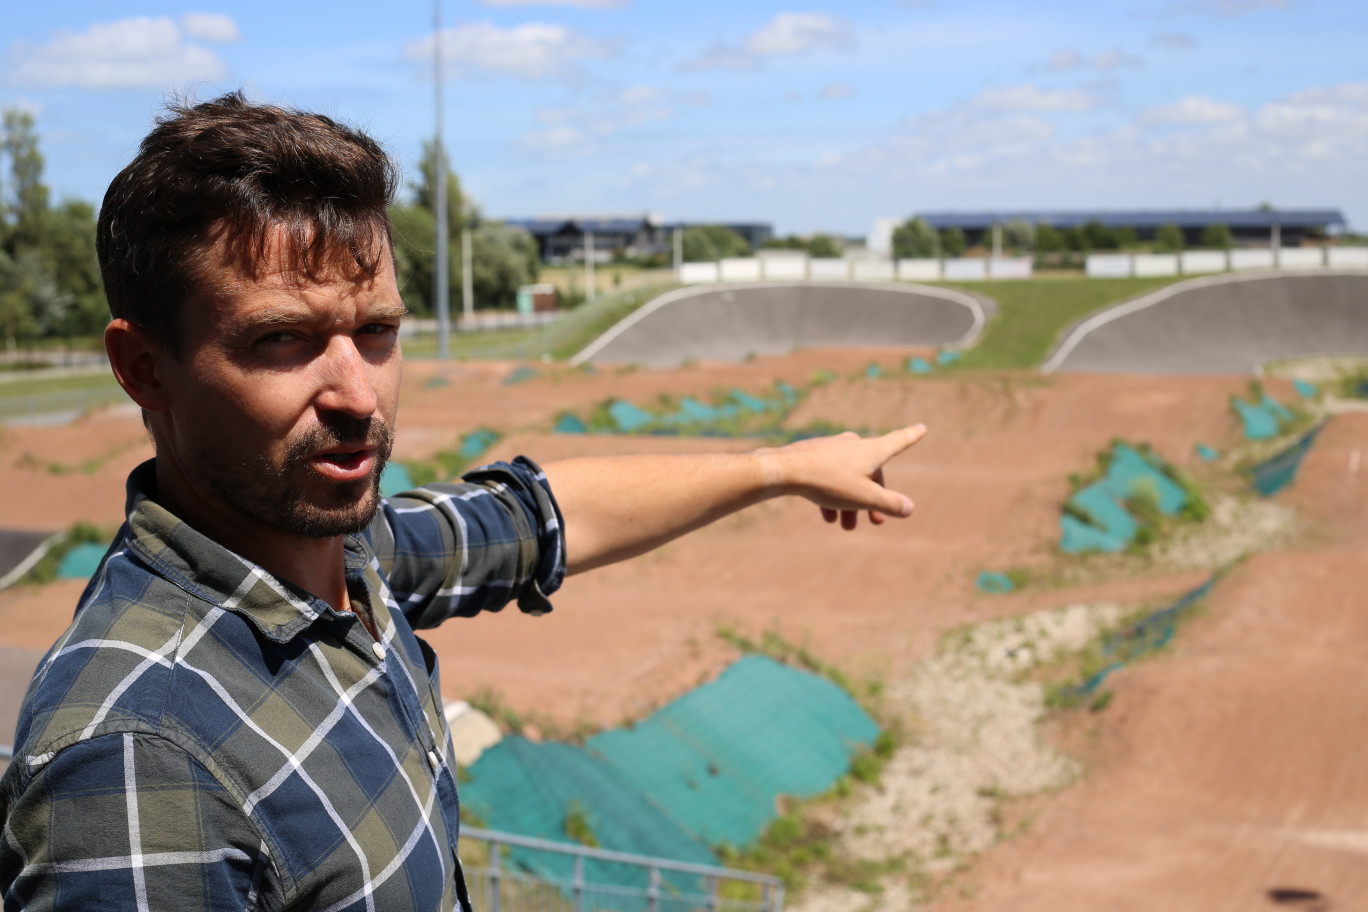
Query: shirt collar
{"type": "Point", "coordinates": [208, 570]}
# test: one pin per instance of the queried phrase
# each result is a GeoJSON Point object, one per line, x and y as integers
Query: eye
{"type": "Point", "coordinates": [281, 337]}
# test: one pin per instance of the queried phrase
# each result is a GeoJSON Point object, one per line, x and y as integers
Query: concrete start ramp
{"type": "Point", "coordinates": [1230, 324]}
{"type": "Point", "coordinates": [731, 322]}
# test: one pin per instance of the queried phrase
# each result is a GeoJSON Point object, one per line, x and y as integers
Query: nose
{"type": "Point", "coordinates": [346, 382]}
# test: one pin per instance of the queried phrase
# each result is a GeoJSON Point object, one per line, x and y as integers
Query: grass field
{"type": "Point", "coordinates": [1032, 314]}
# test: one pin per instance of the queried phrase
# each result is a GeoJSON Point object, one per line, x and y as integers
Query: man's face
{"type": "Point", "coordinates": [284, 398]}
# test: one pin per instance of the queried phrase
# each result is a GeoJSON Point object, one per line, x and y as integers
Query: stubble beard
{"type": "Point", "coordinates": [290, 495]}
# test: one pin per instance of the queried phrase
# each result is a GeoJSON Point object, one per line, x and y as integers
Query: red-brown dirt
{"type": "Point", "coordinates": [1224, 768]}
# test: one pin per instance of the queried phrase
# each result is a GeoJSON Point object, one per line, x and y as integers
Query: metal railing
{"type": "Point", "coordinates": [643, 884]}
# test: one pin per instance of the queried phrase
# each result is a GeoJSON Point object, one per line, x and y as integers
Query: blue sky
{"type": "Point", "coordinates": [814, 116]}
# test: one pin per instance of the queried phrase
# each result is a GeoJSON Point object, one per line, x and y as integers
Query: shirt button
{"type": "Point", "coordinates": [379, 650]}
{"type": "Point", "coordinates": [433, 761]}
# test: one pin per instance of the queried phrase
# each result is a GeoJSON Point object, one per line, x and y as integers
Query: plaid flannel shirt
{"type": "Point", "coordinates": [207, 736]}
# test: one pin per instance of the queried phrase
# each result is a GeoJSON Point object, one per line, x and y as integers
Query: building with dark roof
{"type": "Point", "coordinates": [563, 238]}
{"type": "Point", "coordinates": [1249, 227]}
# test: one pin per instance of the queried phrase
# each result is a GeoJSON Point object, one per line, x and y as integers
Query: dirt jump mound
{"type": "Point", "coordinates": [1223, 325]}
{"type": "Point", "coordinates": [729, 323]}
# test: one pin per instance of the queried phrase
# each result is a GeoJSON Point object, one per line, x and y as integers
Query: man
{"type": "Point", "coordinates": [240, 716]}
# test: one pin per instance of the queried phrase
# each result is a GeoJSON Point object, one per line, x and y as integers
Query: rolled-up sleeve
{"type": "Point", "coordinates": [458, 549]}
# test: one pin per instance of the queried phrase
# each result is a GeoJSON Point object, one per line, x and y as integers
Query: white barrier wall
{"type": "Point", "coordinates": [747, 270]}
{"type": "Point", "coordinates": [698, 273]}
{"type": "Point", "coordinates": [1301, 258]}
{"type": "Point", "coordinates": [1251, 259]}
{"type": "Point", "coordinates": [1154, 264]}
{"type": "Point", "coordinates": [1192, 262]}
{"type": "Point", "coordinates": [1010, 268]}
{"type": "Point", "coordinates": [964, 269]}
{"type": "Point", "coordinates": [873, 270]}
{"type": "Point", "coordinates": [828, 269]}
{"type": "Point", "coordinates": [789, 267]}
{"type": "Point", "coordinates": [1108, 266]}
{"type": "Point", "coordinates": [1347, 256]}
{"type": "Point", "coordinates": [919, 270]}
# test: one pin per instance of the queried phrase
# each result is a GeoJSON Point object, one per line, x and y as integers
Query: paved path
{"type": "Point", "coordinates": [730, 322]}
{"type": "Point", "coordinates": [1228, 324]}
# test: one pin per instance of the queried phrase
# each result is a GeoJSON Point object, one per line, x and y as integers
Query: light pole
{"type": "Point", "coordinates": [440, 292]}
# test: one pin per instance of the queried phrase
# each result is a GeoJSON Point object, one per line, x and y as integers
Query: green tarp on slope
{"type": "Point", "coordinates": [1104, 502]}
{"type": "Point", "coordinates": [715, 759]}
{"type": "Point", "coordinates": [521, 787]}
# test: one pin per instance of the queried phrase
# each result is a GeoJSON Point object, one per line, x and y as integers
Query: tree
{"type": "Point", "coordinates": [709, 243]}
{"type": "Point", "coordinates": [1217, 236]}
{"type": "Point", "coordinates": [424, 189]}
{"type": "Point", "coordinates": [1048, 239]}
{"type": "Point", "coordinates": [1019, 234]}
{"type": "Point", "coordinates": [1074, 239]}
{"type": "Point", "coordinates": [1126, 237]}
{"type": "Point", "coordinates": [823, 246]}
{"type": "Point", "coordinates": [1169, 238]}
{"type": "Point", "coordinates": [502, 259]}
{"type": "Point", "coordinates": [1097, 236]}
{"type": "Point", "coordinates": [952, 241]}
{"type": "Point", "coordinates": [30, 195]}
{"type": "Point", "coordinates": [914, 239]}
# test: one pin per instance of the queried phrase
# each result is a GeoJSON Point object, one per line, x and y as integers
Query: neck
{"type": "Point", "coordinates": [315, 565]}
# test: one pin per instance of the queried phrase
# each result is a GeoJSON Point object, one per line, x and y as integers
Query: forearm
{"type": "Point", "coordinates": [616, 507]}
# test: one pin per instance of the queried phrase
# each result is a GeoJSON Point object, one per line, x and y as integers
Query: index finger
{"type": "Point", "coordinates": [894, 442]}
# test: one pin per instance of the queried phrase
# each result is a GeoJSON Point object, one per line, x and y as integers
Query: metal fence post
{"type": "Point", "coordinates": [495, 875]}
{"type": "Point", "coordinates": [577, 886]}
{"type": "Point", "coordinates": [653, 891]}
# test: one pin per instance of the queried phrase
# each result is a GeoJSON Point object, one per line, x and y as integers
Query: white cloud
{"type": "Point", "coordinates": [1034, 98]}
{"type": "Point", "coordinates": [531, 52]}
{"type": "Point", "coordinates": [1229, 9]}
{"type": "Point", "coordinates": [1174, 41]}
{"type": "Point", "coordinates": [1065, 60]}
{"type": "Point", "coordinates": [798, 33]}
{"type": "Point", "coordinates": [214, 27]}
{"type": "Point", "coordinates": [1195, 109]}
{"type": "Point", "coordinates": [787, 34]}
{"type": "Point", "coordinates": [574, 131]}
{"type": "Point", "coordinates": [128, 53]}
{"type": "Point", "coordinates": [836, 90]}
{"type": "Point", "coordinates": [583, 4]}
{"type": "Point", "coordinates": [1115, 59]}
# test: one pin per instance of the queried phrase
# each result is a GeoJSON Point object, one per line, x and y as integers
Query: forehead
{"type": "Point", "coordinates": [234, 284]}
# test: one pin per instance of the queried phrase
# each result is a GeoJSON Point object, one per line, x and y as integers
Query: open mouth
{"type": "Point", "coordinates": [345, 466]}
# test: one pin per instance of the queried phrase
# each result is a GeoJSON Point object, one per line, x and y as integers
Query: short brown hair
{"type": "Point", "coordinates": [240, 174]}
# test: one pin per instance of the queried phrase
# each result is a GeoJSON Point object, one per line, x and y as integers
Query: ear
{"type": "Point", "coordinates": [138, 364]}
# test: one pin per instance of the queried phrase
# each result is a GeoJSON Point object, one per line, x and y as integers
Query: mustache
{"type": "Point", "coordinates": [335, 430]}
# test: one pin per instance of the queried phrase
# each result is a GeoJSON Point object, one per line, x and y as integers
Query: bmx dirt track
{"type": "Point", "coordinates": [1224, 768]}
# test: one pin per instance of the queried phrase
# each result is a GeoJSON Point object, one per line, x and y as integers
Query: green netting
{"type": "Point", "coordinates": [570, 424]}
{"type": "Point", "coordinates": [1306, 389]}
{"type": "Point", "coordinates": [1206, 453]}
{"type": "Point", "coordinates": [82, 561]}
{"type": "Point", "coordinates": [628, 417]}
{"type": "Point", "coordinates": [520, 375]}
{"type": "Point", "coordinates": [947, 357]}
{"type": "Point", "coordinates": [1110, 525]}
{"type": "Point", "coordinates": [1077, 537]}
{"type": "Point", "coordinates": [874, 371]}
{"type": "Point", "coordinates": [716, 759]}
{"type": "Point", "coordinates": [437, 381]}
{"type": "Point", "coordinates": [993, 582]}
{"type": "Point", "coordinates": [753, 404]}
{"type": "Point", "coordinates": [534, 789]}
{"type": "Point", "coordinates": [474, 444]}
{"type": "Point", "coordinates": [1273, 475]}
{"type": "Point", "coordinates": [918, 366]}
{"type": "Point", "coordinates": [1260, 422]}
{"type": "Point", "coordinates": [395, 479]}
{"type": "Point", "coordinates": [1151, 633]}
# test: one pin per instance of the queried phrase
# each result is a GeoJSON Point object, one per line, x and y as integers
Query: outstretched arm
{"type": "Point", "coordinates": [616, 507]}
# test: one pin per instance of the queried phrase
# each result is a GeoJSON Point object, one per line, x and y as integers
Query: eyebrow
{"type": "Point", "coordinates": [286, 316]}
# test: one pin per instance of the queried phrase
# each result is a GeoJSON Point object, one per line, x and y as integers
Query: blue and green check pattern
{"type": "Point", "coordinates": [207, 736]}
